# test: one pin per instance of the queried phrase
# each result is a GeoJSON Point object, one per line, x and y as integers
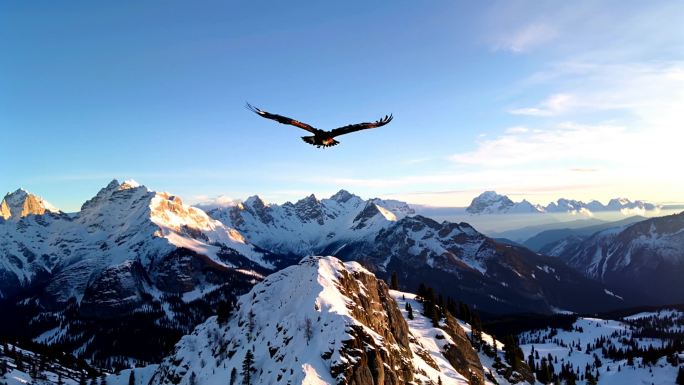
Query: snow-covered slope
{"type": "Point", "coordinates": [310, 225]}
{"type": "Point", "coordinates": [128, 248]}
{"type": "Point", "coordinates": [603, 347]}
{"type": "Point", "coordinates": [319, 322]}
{"type": "Point", "coordinates": [20, 366]}
{"type": "Point", "coordinates": [645, 258]}
{"type": "Point", "coordinates": [449, 345]}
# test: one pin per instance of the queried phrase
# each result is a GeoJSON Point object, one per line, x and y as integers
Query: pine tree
{"type": "Point", "coordinates": [680, 376]}
{"type": "Point", "coordinates": [394, 282]}
{"type": "Point", "coordinates": [409, 309]}
{"type": "Point", "coordinates": [435, 318]}
{"type": "Point", "coordinates": [251, 324]}
{"type": "Point", "coordinates": [223, 310]}
{"type": "Point", "coordinates": [193, 379]}
{"type": "Point", "coordinates": [421, 290]}
{"type": "Point", "coordinates": [233, 376]}
{"type": "Point", "coordinates": [512, 352]}
{"type": "Point", "coordinates": [19, 361]}
{"type": "Point", "coordinates": [247, 367]}
{"type": "Point", "coordinates": [131, 378]}
{"type": "Point", "coordinates": [308, 329]}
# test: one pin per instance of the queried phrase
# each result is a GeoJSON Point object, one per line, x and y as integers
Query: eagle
{"type": "Point", "coordinates": [321, 138]}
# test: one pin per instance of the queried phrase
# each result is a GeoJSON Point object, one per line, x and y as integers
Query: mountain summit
{"type": "Point", "coordinates": [489, 202]}
{"type": "Point", "coordinates": [21, 203]}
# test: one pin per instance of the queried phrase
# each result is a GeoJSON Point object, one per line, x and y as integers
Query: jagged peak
{"type": "Point", "coordinates": [21, 203]}
{"type": "Point", "coordinates": [20, 191]}
{"type": "Point", "coordinates": [255, 201]}
{"type": "Point", "coordinates": [114, 184]}
{"type": "Point", "coordinates": [109, 190]}
{"type": "Point", "coordinates": [342, 196]}
{"type": "Point", "coordinates": [307, 200]}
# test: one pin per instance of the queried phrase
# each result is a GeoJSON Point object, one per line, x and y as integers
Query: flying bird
{"type": "Point", "coordinates": [321, 138]}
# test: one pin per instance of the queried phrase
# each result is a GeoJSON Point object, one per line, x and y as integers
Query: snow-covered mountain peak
{"type": "Point", "coordinates": [489, 202]}
{"type": "Point", "coordinates": [343, 196]}
{"type": "Point", "coordinates": [129, 183]}
{"type": "Point", "coordinates": [191, 228]}
{"type": "Point", "coordinates": [319, 322]}
{"type": "Point", "coordinates": [21, 203]}
{"type": "Point", "coordinates": [255, 201]}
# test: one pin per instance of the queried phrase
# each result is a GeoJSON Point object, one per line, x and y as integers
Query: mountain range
{"type": "Point", "coordinates": [644, 260]}
{"type": "Point", "coordinates": [489, 202]}
{"type": "Point", "coordinates": [385, 237]}
{"type": "Point", "coordinates": [130, 255]}
{"type": "Point", "coordinates": [145, 266]}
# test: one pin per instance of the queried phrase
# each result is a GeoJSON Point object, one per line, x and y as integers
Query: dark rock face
{"type": "Point", "coordinates": [378, 311]}
{"type": "Point", "coordinates": [461, 354]}
{"type": "Point", "coordinates": [117, 290]}
{"type": "Point", "coordinates": [309, 209]}
{"type": "Point", "coordinates": [257, 206]}
{"type": "Point", "coordinates": [367, 213]}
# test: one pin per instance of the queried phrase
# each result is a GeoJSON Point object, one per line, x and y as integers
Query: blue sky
{"type": "Point", "coordinates": [537, 100]}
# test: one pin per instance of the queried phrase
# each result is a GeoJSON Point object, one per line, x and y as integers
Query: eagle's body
{"type": "Point", "coordinates": [321, 138]}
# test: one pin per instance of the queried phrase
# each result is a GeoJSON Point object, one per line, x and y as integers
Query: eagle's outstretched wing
{"type": "Point", "coordinates": [360, 126]}
{"type": "Point", "coordinates": [281, 119]}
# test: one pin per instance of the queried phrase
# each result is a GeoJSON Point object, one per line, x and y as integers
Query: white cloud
{"type": "Point", "coordinates": [554, 105]}
{"type": "Point", "coordinates": [526, 38]}
{"type": "Point", "coordinates": [206, 203]}
{"type": "Point", "coordinates": [562, 143]}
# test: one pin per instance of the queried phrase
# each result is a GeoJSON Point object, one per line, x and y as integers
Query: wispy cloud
{"type": "Point", "coordinates": [554, 105]}
{"type": "Point", "coordinates": [566, 142]}
{"type": "Point", "coordinates": [526, 38]}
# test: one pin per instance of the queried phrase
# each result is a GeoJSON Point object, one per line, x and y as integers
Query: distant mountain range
{"type": "Point", "coordinates": [385, 236]}
{"type": "Point", "coordinates": [489, 202]}
{"type": "Point", "coordinates": [644, 259]}
{"type": "Point", "coordinates": [545, 240]}
{"type": "Point", "coordinates": [144, 265]}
